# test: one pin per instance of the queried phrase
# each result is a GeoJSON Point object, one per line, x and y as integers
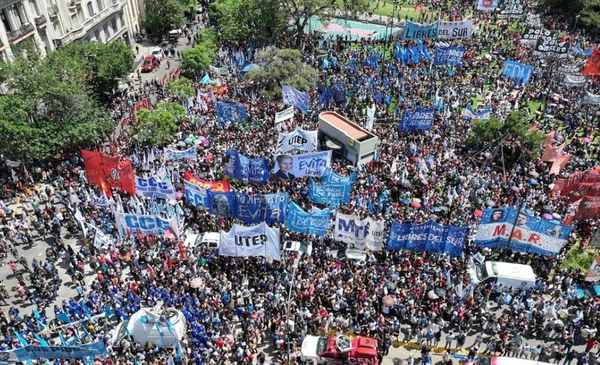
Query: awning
{"type": "Point", "coordinates": [332, 145]}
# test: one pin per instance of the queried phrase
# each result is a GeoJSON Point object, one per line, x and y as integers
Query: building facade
{"type": "Point", "coordinates": [52, 23]}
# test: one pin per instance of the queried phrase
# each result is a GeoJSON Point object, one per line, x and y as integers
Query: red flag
{"type": "Point", "coordinates": [552, 153]}
{"type": "Point", "coordinates": [592, 67]}
{"type": "Point", "coordinates": [181, 252]}
{"type": "Point", "coordinates": [221, 186]}
{"type": "Point", "coordinates": [559, 164]}
{"type": "Point", "coordinates": [108, 171]}
{"type": "Point", "coordinates": [589, 208]}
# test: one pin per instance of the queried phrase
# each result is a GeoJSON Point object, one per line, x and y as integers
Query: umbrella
{"type": "Point", "coordinates": [388, 301]}
{"type": "Point", "coordinates": [406, 183]}
{"type": "Point", "coordinates": [444, 208]}
{"type": "Point", "coordinates": [415, 204]}
{"type": "Point", "coordinates": [196, 283]}
{"type": "Point", "coordinates": [534, 173]}
{"type": "Point", "coordinates": [562, 313]}
{"type": "Point", "coordinates": [551, 186]}
{"type": "Point", "coordinates": [556, 216]}
{"type": "Point", "coordinates": [181, 144]}
{"type": "Point", "coordinates": [547, 216]}
{"type": "Point", "coordinates": [515, 188]}
{"type": "Point", "coordinates": [489, 203]}
{"type": "Point", "coordinates": [250, 67]}
{"type": "Point", "coordinates": [432, 295]}
{"type": "Point", "coordinates": [188, 140]}
{"type": "Point", "coordinates": [586, 139]}
{"type": "Point", "coordinates": [478, 213]}
{"type": "Point", "coordinates": [433, 217]}
{"type": "Point", "coordinates": [416, 200]}
{"type": "Point", "coordinates": [547, 208]}
{"type": "Point", "coordinates": [209, 157]}
{"type": "Point", "coordinates": [178, 195]}
{"type": "Point", "coordinates": [405, 201]}
{"type": "Point", "coordinates": [533, 181]}
{"type": "Point", "coordinates": [440, 292]}
{"type": "Point", "coordinates": [436, 209]}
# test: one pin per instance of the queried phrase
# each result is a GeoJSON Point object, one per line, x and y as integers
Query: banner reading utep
{"type": "Point", "coordinates": [300, 221]}
{"type": "Point", "coordinates": [420, 31]}
{"type": "Point", "coordinates": [419, 120]}
{"type": "Point", "coordinates": [307, 164]}
{"type": "Point", "coordinates": [219, 185]}
{"type": "Point", "coordinates": [108, 171]}
{"type": "Point", "coordinates": [154, 188]}
{"type": "Point", "coordinates": [243, 168]}
{"type": "Point", "coordinates": [359, 234]}
{"type": "Point", "coordinates": [455, 30]}
{"type": "Point", "coordinates": [430, 237]}
{"type": "Point", "coordinates": [140, 223]}
{"type": "Point", "coordinates": [299, 139]}
{"type": "Point", "coordinates": [331, 193]}
{"type": "Point", "coordinates": [259, 240]}
{"type": "Point", "coordinates": [531, 234]}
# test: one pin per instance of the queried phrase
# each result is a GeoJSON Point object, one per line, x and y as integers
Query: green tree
{"type": "Point", "coordinates": [513, 135]}
{"type": "Point", "coordinates": [201, 56]}
{"type": "Point", "coordinates": [162, 15]}
{"type": "Point", "coordinates": [52, 109]}
{"type": "Point", "coordinates": [282, 67]}
{"type": "Point", "coordinates": [155, 128]}
{"type": "Point", "coordinates": [300, 11]}
{"type": "Point", "coordinates": [181, 88]}
{"type": "Point", "coordinates": [242, 20]}
{"type": "Point", "coordinates": [175, 109]}
{"type": "Point", "coordinates": [588, 12]}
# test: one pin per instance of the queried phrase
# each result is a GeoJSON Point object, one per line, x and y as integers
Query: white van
{"type": "Point", "coordinates": [209, 240]}
{"type": "Point", "coordinates": [510, 275]}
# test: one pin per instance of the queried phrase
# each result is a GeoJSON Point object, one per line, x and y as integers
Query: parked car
{"type": "Point", "coordinates": [303, 248]}
{"type": "Point", "coordinates": [158, 53]}
{"type": "Point", "coordinates": [339, 350]}
{"type": "Point", "coordinates": [150, 64]}
{"type": "Point", "coordinates": [196, 242]}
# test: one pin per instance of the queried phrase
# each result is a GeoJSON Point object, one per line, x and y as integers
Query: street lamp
{"type": "Point", "coordinates": [576, 19]}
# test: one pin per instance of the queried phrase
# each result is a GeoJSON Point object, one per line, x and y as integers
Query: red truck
{"type": "Point", "coordinates": [340, 350]}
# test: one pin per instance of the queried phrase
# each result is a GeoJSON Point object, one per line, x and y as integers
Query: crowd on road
{"type": "Point", "coordinates": [244, 304]}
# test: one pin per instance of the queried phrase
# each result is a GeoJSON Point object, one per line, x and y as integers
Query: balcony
{"type": "Point", "coordinates": [40, 21]}
{"type": "Point", "coordinates": [24, 30]}
{"type": "Point", "coordinates": [52, 11]}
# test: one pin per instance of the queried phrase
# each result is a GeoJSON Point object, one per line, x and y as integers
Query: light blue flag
{"type": "Point", "coordinates": [22, 340]}
{"type": "Point", "coordinates": [40, 340]}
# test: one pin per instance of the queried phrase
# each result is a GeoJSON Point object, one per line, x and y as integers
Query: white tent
{"type": "Point", "coordinates": [163, 328]}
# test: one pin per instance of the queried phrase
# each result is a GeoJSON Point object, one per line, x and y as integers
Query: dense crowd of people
{"type": "Point", "coordinates": [245, 304]}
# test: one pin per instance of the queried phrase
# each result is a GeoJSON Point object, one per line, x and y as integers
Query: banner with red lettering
{"type": "Point", "coordinates": [108, 171]}
{"type": "Point", "coordinates": [592, 67]}
{"type": "Point", "coordinates": [579, 182]}
{"type": "Point", "coordinates": [529, 233]}
{"type": "Point", "coordinates": [218, 186]}
{"type": "Point", "coordinates": [589, 208]}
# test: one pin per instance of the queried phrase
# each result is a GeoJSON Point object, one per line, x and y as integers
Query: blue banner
{"type": "Point", "coordinates": [33, 352]}
{"type": "Point", "coordinates": [419, 120]}
{"type": "Point", "coordinates": [420, 31]}
{"type": "Point", "coordinates": [299, 99]}
{"type": "Point", "coordinates": [171, 154]}
{"type": "Point", "coordinates": [329, 192]}
{"type": "Point", "coordinates": [227, 112]}
{"type": "Point", "coordinates": [448, 56]}
{"type": "Point", "coordinates": [302, 222]}
{"type": "Point", "coordinates": [243, 168]}
{"type": "Point", "coordinates": [529, 233]}
{"type": "Point", "coordinates": [429, 237]}
{"type": "Point", "coordinates": [254, 209]}
{"type": "Point", "coordinates": [195, 195]}
{"type": "Point", "coordinates": [521, 73]}
{"type": "Point", "coordinates": [140, 223]}
{"type": "Point", "coordinates": [152, 188]}
{"type": "Point", "coordinates": [331, 176]}
{"type": "Point", "coordinates": [223, 204]}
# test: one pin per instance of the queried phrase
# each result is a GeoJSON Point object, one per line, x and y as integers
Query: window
{"type": "Point", "coordinates": [106, 33]}
{"type": "Point", "coordinates": [100, 5]}
{"type": "Point", "coordinates": [121, 18]}
{"type": "Point", "coordinates": [4, 20]}
{"type": "Point", "coordinates": [97, 35]}
{"type": "Point", "coordinates": [113, 23]}
{"type": "Point", "coordinates": [90, 9]}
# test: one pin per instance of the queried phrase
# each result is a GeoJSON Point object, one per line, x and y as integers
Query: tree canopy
{"type": "Point", "coordinates": [159, 126]}
{"type": "Point", "coordinates": [201, 56]}
{"type": "Point", "coordinates": [300, 11]}
{"type": "Point", "coordinates": [282, 67]}
{"type": "Point", "coordinates": [514, 134]}
{"type": "Point", "coordinates": [588, 10]}
{"type": "Point", "coordinates": [162, 15]}
{"type": "Point", "coordinates": [52, 109]}
{"type": "Point", "coordinates": [247, 20]}
{"type": "Point", "coordinates": [181, 88]}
